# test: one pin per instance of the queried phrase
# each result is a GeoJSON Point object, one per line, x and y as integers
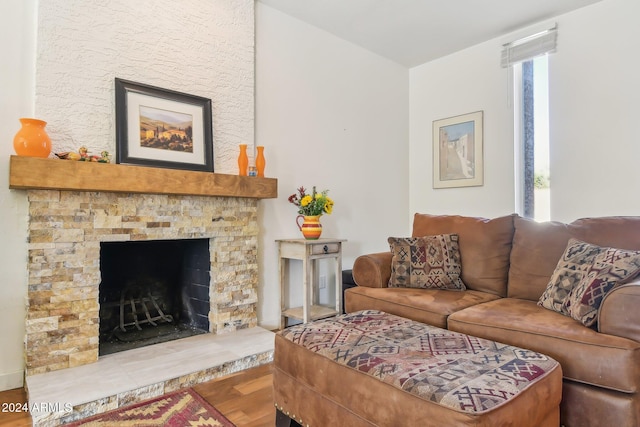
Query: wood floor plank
{"type": "Point", "coordinates": [247, 399]}
{"type": "Point", "coordinates": [255, 385]}
{"type": "Point", "coordinates": [9, 416]}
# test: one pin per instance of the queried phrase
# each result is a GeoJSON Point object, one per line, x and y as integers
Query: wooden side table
{"type": "Point", "coordinates": [309, 251]}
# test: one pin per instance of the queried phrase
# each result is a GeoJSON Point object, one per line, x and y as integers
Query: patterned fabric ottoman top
{"type": "Point", "coordinates": [465, 373]}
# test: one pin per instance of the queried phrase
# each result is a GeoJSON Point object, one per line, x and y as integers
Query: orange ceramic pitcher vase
{"type": "Point", "coordinates": [311, 228]}
{"type": "Point", "coordinates": [32, 140]}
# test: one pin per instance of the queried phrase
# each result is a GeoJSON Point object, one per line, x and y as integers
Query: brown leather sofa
{"type": "Point", "coordinates": [506, 265]}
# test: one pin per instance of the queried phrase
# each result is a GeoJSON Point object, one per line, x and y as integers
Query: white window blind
{"type": "Point", "coordinates": [529, 47]}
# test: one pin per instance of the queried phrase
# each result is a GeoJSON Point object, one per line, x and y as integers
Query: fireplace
{"type": "Point", "coordinates": [68, 230]}
{"type": "Point", "coordinates": [76, 209]}
{"type": "Point", "coordinates": [152, 291]}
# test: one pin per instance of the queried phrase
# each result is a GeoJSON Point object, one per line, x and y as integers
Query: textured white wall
{"type": "Point", "coordinates": [199, 47]}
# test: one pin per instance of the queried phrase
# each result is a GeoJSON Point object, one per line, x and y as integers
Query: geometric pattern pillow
{"type": "Point", "coordinates": [570, 270]}
{"type": "Point", "coordinates": [431, 262]}
{"type": "Point", "coordinates": [609, 268]}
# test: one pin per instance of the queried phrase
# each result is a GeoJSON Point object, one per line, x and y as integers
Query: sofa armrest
{"type": "Point", "coordinates": [372, 270]}
{"type": "Point", "coordinates": [619, 314]}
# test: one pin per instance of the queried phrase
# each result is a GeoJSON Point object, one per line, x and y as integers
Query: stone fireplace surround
{"type": "Point", "coordinates": [73, 206]}
{"type": "Point", "coordinates": [65, 231]}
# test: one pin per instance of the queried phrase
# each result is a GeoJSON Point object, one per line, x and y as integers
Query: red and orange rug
{"type": "Point", "coordinates": [177, 409]}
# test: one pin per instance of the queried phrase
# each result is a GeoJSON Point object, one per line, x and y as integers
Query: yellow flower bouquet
{"type": "Point", "coordinates": [313, 204]}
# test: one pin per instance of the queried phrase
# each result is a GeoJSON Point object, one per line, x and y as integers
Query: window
{"type": "Point", "coordinates": [528, 59]}
{"type": "Point", "coordinates": [534, 141]}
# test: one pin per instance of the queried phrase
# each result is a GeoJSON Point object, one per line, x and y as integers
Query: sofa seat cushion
{"type": "Point", "coordinates": [431, 306]}
{"type": "Point", "coordinates": [586, 356]}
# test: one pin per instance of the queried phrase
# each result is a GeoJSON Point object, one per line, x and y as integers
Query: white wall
{"type": "Point", "coordinates": [461, 83]}
{"type": "Point", "coordinates": [333, 115]}
{"type": "Point", "coordinates": [594, 112]}
{"type": "Point", "coordinates": [594, 108]}
{"type": "Point", "coordinates": [16, 87]}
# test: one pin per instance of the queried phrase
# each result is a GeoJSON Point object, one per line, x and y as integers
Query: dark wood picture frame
{"type": "Point", "coordinates": [162, 128]}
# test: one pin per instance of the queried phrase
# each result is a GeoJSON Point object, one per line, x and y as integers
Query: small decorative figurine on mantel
{"type": "Point", "coordinates": [83, 156]}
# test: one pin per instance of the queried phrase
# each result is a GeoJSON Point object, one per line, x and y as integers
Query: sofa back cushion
{"type": "Point", "coordinates": [537, 247]}
{"type": "Point", "coordinates": [485, 245]}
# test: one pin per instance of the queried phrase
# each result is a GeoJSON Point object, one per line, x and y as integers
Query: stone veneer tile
{"type": "Point", "coordinates": [65, 231]}
{"type": "Point", "coordinates": [82, 357]}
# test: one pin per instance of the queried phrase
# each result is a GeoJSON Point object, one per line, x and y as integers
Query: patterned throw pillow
{"type": "Point", "coordinates": [431, 262]}
{"type": "Point", "coordinates": [571, 268]}
{"type": "Point", "coordinates": [610, 268]}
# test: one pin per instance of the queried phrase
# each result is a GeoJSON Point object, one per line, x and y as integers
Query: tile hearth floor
{"type": "Point", "coordinates": [148, 371]}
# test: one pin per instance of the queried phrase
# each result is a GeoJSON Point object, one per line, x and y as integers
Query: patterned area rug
{"type": "Point", "coordinates": [178, 409]}
{"type": "Point", "coordinates": [465, 373]}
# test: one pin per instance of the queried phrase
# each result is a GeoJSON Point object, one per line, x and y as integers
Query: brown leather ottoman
{"type": "Point", "coordinates": [370, 368]}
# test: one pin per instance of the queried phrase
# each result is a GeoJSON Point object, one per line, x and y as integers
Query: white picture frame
{"type": "Point", "coordinates": [458, 151]}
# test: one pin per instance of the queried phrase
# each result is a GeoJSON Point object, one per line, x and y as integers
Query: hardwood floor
{"type": "Point", "coordinates": [9, 417]}
{"type": "Point", "coordinates": [245, 398]}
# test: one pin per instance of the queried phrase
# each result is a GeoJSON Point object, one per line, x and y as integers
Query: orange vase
{"type": "Point", "coordinates": [243, 160]}
{"type": "Point", "coordinates": [260, 160]}
{"type": "Point", "coordinates": [32, 140]}
{"type": "Point", "coordinates": [311, 228]}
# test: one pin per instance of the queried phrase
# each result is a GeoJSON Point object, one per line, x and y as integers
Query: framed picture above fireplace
{"type": "Point", "coordinates": [162, 128]}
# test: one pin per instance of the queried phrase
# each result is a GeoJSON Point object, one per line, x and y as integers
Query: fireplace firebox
{"type": "Point", "coordinates": [152, 291]}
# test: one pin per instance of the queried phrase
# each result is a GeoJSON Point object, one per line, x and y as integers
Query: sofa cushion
{"type": "Point", "coordinates": [431, 262]}
{"type": "Point", "coordinates": [538, 246]}
{"type": "Point", "coordinates": [609, 268]}
{"type": "Point", "coordinates": [485, 245]}
{"type": "Point", "coordinates": [572, 267]}
{"type": "Point", "coordinates": [430, 306]}
{"type": "Point", "coordinates": [586, 356]}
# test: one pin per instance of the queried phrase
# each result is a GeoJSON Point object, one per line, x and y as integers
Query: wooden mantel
{"type": "Point", "coordinates": [53, 174]}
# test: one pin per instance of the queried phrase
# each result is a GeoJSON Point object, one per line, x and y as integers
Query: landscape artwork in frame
{"type": "Point", "coordinates": [162, 128]}
{"type": "Point", "coordinates": [457, 151]}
